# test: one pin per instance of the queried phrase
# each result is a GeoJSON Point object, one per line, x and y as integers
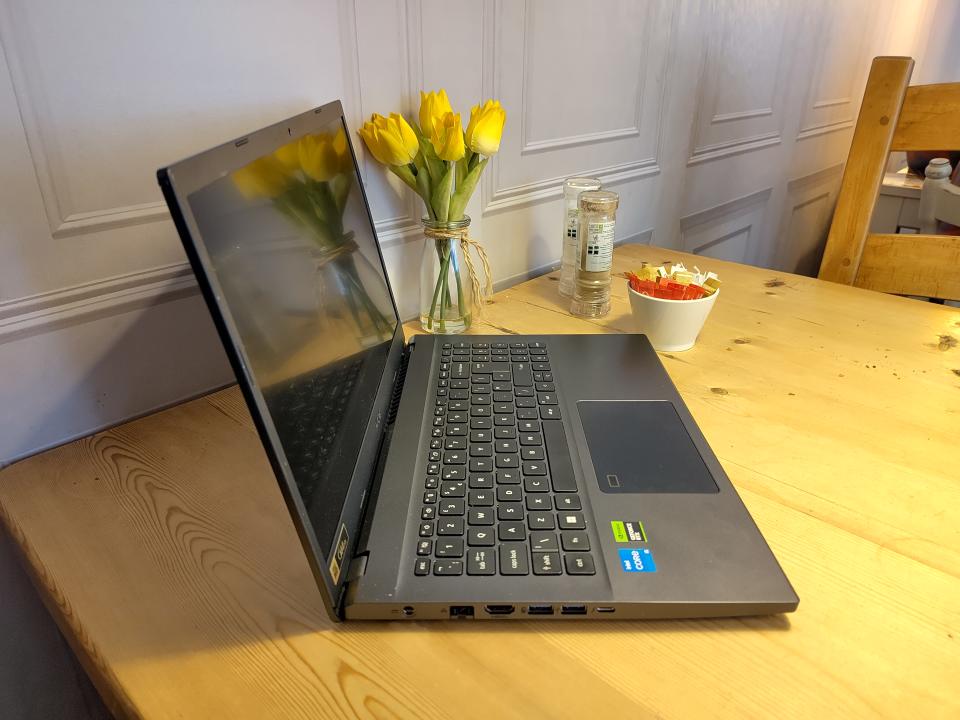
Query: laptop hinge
{"type": "Point", "coordinates": [358, 567]}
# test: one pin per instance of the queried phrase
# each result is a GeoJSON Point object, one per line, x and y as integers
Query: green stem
{"type": "Point", "coordinates": [445, 294]}
{"type": "Point", "coordinates": [436, 296]}
{"type": "Point", "coordinates": [456, 273]}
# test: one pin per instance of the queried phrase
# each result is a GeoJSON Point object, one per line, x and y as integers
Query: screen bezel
{"type": "Point", "coordinates": [181, 179]}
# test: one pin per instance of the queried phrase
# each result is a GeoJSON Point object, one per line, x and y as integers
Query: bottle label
{"type": "Point", "coordinates": [599, 250]}
{"type": "Point", "coordinates": [570, 234]}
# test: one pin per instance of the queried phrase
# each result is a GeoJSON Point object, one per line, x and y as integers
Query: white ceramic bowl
{"type": "Point", "coordinates": [671, 325]}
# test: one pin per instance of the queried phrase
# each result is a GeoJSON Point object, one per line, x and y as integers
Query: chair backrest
{"type": "Point", "coordinates": [893, 116]}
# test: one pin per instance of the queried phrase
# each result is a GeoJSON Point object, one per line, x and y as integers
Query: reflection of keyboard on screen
{"type": "Point", "coordinates": [499, 495]}
{"type": "Point", "coordinates": [308, 412]}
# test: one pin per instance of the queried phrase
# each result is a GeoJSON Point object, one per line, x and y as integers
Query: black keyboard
{"type": "Point", "coordinates": [499, 495]}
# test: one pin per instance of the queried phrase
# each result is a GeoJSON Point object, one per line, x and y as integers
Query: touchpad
{"type": "Point", "coordinates": [640, 446]}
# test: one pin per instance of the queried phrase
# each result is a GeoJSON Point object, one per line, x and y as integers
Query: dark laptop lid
{"type": "Point", "coordinates": [279, 233]}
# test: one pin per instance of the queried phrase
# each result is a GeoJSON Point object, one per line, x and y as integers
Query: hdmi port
{"type": "Point", "coordinates": [573, 609]}
{"type": "Point", "coordinates": [498, 609]}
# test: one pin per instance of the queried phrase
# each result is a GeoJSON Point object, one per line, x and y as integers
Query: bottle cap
{"type": "Point", "coordinates": [599, 200]}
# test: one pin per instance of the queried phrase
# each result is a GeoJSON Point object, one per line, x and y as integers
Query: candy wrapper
{"type": "Point", "coordinates": [677, 283]}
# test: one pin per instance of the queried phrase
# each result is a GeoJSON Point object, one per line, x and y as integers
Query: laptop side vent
{"type": "Point", "coordinates": [398, 388]}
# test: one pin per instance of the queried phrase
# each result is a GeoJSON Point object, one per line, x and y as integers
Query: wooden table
{"type": "Point", "coordinates": [163, 549]}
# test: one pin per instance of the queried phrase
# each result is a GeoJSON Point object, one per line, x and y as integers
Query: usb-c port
{"type": "Point", "coordinates": [601, 609]}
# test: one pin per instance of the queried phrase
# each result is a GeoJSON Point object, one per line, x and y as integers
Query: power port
{"type": "Point", "coordinates": [461, 611]}
{"type": "Point", "coordinates": [573, 609]}
{"type": "Point", "coordinates": [499, 609]}
{"type": "Point", "coordinates": [540, 610]}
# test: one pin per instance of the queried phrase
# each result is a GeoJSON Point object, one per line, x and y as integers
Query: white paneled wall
{"type": "Point", "coordinates": [723, 124]}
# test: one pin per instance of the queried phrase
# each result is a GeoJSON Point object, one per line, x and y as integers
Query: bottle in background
{"type": "Point", "coordinates": [572, 187]}
{"type": "Point", "coordinates": [598, 221]}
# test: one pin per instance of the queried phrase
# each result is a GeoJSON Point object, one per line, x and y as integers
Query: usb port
{"type": "Point", "coordinates": [498, 609]}
{"type": "Point", "coordinates": [539, 609]}
{"type": "Point", "coordinates": [573, 609]}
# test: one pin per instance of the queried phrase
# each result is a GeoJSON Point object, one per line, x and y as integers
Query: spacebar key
{"type": "Point", "coordinates": [558, 455]}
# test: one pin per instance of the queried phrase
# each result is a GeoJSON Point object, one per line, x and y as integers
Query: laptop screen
{"type": "Point", "coordinates": [290, 243]}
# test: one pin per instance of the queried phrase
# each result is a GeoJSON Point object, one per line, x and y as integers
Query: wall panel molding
{"type": "Point", "coordinates": [63, 219]}
{"type": "Point", "coordinates": [805, 219]}
{"type": "Point", "coordinates": [81, 303]}
{"type": "Point", "coordinates": [740, 217]}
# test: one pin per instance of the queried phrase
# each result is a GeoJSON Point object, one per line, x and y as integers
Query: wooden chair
{"type": "Point", "coordinates": [893, 116]}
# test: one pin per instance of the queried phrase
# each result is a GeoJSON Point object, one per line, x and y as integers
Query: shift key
{"type": "Point", "coordinates": [522, 374]}
{"type": "Point", "coordinates": [558, 454]}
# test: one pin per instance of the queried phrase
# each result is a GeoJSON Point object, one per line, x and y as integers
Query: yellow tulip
{"type": "Point", "coordinates": [317, 157]}
{"type": "Point", "coordinates": [391, 140]}
{"type": "Point", "coordinates": [486, 127]}
{"type": "Point", "coordinates": [341, 148]}
{"type": "Point", "coordinates": [289, 156]}
{"type": "Point", "coordinates": [264, 177]}
{"type": "Point", "coordinates": [447, 137]}
{"type": "Point", "coordinates": [433, 106]}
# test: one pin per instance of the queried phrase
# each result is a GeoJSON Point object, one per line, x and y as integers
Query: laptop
{"type": "Point", "coordinates": [458, 476]}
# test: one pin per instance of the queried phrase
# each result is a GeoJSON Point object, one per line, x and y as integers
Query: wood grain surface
{"type": "Point", "coordinates": [163, 549]}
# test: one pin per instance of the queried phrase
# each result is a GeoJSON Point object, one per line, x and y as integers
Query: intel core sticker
{"type": "Point", "coordinates": [637, 560]}
{"type": "Point", "coordinates": [336, 562]}
{"type": "Point", "coordinates": [628, 531]}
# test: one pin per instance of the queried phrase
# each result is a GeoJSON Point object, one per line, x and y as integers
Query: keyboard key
{"type": "Point", "coordinates": [456, 406]}
{"type": "Point", "coordinates": [499, 345]}
{"type": "Point", "coordinates": [459, 395]}
{"type": "Point", "coordinates": [456, 430]}
{"type": "Point", "coordinates": [457, 457]}
{"type": "Point", "coordinates": [480, 411]}
{"type": "Point", "coordinates": [538, 502]}
{"type": "Point", "coordinates": [536, 484]}
{"type": "Point", "coordinates": [502, 387]}
{"type": "Point", "coordinates": [522, 374]}
{"type": "Point", "coordinates": [482, 368]}
{"type": "Point", "coordinates": [558, 453]}
{"type": "Point", "coordinates": [546, 387]}
{"type": "Point", "coordinates": [525, 402]}
{"type": "Point", "coordinates": [481, 423]}
{"type": "Point", "coordinates": [532, 453]}
{"type": "Point", "coordinates": [480, 399]}
{"type": "Point", "coordinates": [481, 465]}
{"type": "Point", "coordinates": [450, 548]}
{"type": "Point", "coordinates": [503, 397]}
{"type": "Point", "coordinates": [546, 563]}
{"type": "Point", "coordinates": [509, 460]}
{"type": "Point", "coordinates": [510, 510]}
{"type": "Point", "coordinates": [455, 443]}
{"type": "Point", "coordinates": [433, 468]}
{"type": "Point", "coordinates": [430, 497]}
{"type": "Point", "coordinates": [506, 446]}
{"type": "Point", "coordinates": [460, 371]}
{"type": "Point", "coordinates": [540, 520]}
{"type": "Point", "coordinates": [579, 564]}
{"type": "Point", "coordinates": [567, 502]}
{"type": "Point", "coordinates": [504, 420]}
{"type": "Point", "coordinates": [452, 507]}
{"type": "Point", "coordinates": [480, 498]}
{"type": "Point", "coordinates": [531, 438]}
{"type": "Point", "coordinates": [422, 566]}
{"type": "Point", "coordinates": [434, 456]}
{"type": "Point", "coordinates": [425, 547]}
{"type": "Point", "coordinates": [547, 399]}
{"type": "Point", "coordinates": [452, 489]}
{"type": "Point", "coordinates": [508, 477]}
{"type": "Point", "coordinates": [537, 345]}
{"type": "Point", "coordinates": [454, 473]}
{"type": "Point", "coordinates": [481, 436]}
{"type": "Point", "coordinates": [481, 450]}
{"type": "Point", "coordinates": [481, 480]}
{"type": "Point", "coordinates": [534, 468]}
{"type": "Point", "coordinates": [503, 408]}
{"type": "Point", "coordinates": [428, 513]}
{"type": "Point", "coordinates": [459, 384]}
{"type": "Point", "coordinates": [523, 392]}
{"type": "Point", "coordinates": [527, 414]}
{"type": "Point", "coordinates": [541, 366]}
{"type": "Point", "coordinates": [481, 537]}
{"type": "Point", "coordinates": [501, 376]}
{"type": "Point", "coordinates": [480, 516]}
{"type": "Point", "coordinates": [505, 433]}
{"type": "Point", "coordinates": [450, 526]}
{"type": "Point", "coordinates": [511, 530]}
{"type": "Point", "coordinates": [543, 541]}
{"type": "Point", "coordinates": [518, 345]}
{"type": "Point", "coordinates": [481, 562]}
{"type": "Point", "coordinates": [448, 567]}
{"type": "Point", "coordinates": [431, 483]}
{"type": "Point", "coordinates": [508, 493]}
{"type": "Point", "coordinates": [571, 521]}
{"type": "Point", "coordinates": [478, 382]}
{"type": "Point", "coordinates": [513, 559]}
{"type": "Point", "coordinates": [426, 529]}
{"type": "Point", "coordinates": [531, 426]}
{"type": "Point", "coordinates": [456, 417]}
{"type": "Point", "coordinates": [550, 412]}
{"type": "Point", "coordinates": [573, 540]}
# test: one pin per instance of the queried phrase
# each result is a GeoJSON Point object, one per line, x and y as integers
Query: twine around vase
{"type": "Point", "coordinates": [478, 290]}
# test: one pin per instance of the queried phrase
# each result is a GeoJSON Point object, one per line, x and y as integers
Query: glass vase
{"type": "Point", "coordinates": [446, 297]}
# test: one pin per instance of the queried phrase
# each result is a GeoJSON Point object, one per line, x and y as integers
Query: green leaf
{"type": "Point", "coordinates": [423, 184]}
{"type": "Point", "coordinates": [406, 174]}
{"type": "Point", "coordinates": [461, 197]}
{"type": "Point", "coordinates": [441, 194]}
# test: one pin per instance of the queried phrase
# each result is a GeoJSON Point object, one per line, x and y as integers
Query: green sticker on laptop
{"type": "Point", "coordinates": [628, 531]}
